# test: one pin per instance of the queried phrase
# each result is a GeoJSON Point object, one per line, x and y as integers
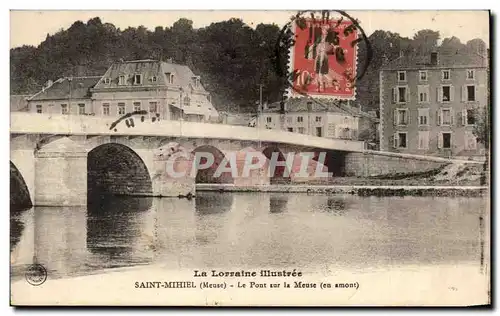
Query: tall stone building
{"type": "Point", "coordinates": [429, 104]}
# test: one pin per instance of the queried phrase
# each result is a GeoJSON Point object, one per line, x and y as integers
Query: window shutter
{"type": "Point", "coordinates": [466, 140]}
{"type": "Point", "coordinates": [407, 94]}
{"type": "Point", "coordinates": [439, 94]}
{"type": "Point", "coordinates": [395, 117]}
{"type": "Point", "coordinates": [464, 117]}
{"type": "Point", "coordinates": [408, 116]}
{"type": "Point", "coordinates": [438, 117]}
{"type": "Point", "coordinates": [476, 92]}
{"type": "Point", "coordinates": [440, 140]}
{"type": "Point", "coordinates": [395, 140]}
{"type": "Point", "coordinates": [452, 117]}
{"type": "Point", "coordinates": [394, 95]}
{"type": "Point", "coordinates": [464, 93]}
{"type": "Point", "coordinates": [452, 93]}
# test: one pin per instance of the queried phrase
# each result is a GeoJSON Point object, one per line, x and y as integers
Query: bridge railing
{"type": "Point", "coordinates": [33, 123]}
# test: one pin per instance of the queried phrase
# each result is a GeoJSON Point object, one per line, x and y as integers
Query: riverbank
{"type": "Point", "coordinates": [361, 190]}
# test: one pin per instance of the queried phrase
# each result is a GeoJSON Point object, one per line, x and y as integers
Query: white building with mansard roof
{"type": "Point", "coordinates": [170, 91]}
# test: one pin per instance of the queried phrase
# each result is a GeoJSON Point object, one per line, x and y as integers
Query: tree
{"type": "Point", "coordinates": [425, 41]}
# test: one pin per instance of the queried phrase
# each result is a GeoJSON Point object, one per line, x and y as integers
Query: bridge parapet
{"type": "Point", "coordinates": [32, 123]}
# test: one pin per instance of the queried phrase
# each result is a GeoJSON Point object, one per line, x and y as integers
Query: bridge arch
{"type": "Point", "coordinates": [207, 175]}
{"type": "Point", "coordinates": [279, 175]}
{"type": "Point", "coordinates": [19, 193]}
{"type": "Point", "coordinates": [116, 169]}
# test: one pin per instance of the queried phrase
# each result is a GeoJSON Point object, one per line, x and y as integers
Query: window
{"type": "Point", "coordinates": [196, 81]}
{"type": "Point", "coordinates": [39, 108]}
{"type": "Point", "coordinates": [470, 140]}
{"type": "Point", "coordinates": [269, 119]}
{"type": "Point", "coordinates": [402, 94]}
{"type": "Point", "coordinates": [107, 80]}
{"type": "Point", "coordinates": [444, 140]}
{"type": "Point", "coordinates": [401, 117]}
{"type": "Point", "coordinates": [422, 75]}
{"type": "Point", "coordinates": [153, 107]}
{"type": "Point", "coordinates": [318, 118]}
{"type": "Point", "coordinates": [468, 117]}
{"type": "Point", "coordinates": [423, 116]}
{"type": "Point", "coordinates": [319, 131]}
{"type": "Point", "coordinates": [401, 75]}
{"type": "Point", "coordinates": [400, 140]}
{"type": "Point", "coordinates": [300, 119]}
{"type": "Point", "coordinates": [471, 93]}
{"type": "Point", "coordinates": [445, 94]}
{"type": "Point", "coordinates": [301, 130]}
{"type": "Point", "coordinates": [445, 74]}
{"type": "Point", "coordinates": [81, 109]}
{"type": "Point", "coordinates": [423, 139]}
{"type": "Point", "coordinates": [170, 77]}
{"type": "Point", "coordinates": [138, 79]}
{"type": "Point", "coordinates": [137, 106]}
{"type": "Point", "coordinates": [105, 109]}
{"type": "Point", "coordinates": [470, 74]}
{"type": "Point", "coordinates": [121, 108]}
{"type": "Point", "coordinates": [64, 109]}
{"type": "Point", "coordinates": [187, 101]}
{"type": "Point", "coordinates": [446, 117]}
{"type": "Point", "coordinates": [121, 80]}
{"type": "Point", "coordinates": [154, 79]}
{"type": "Point", "coordinates": [290, 129]}
{"type": "Point", "coordinates": [423, 94]}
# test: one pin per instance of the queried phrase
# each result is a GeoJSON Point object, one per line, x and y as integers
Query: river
{"type": "Point", "coordinates": [248, 231]}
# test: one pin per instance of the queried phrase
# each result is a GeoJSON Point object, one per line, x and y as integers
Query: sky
{"type": "Point", "coordinates": [31, 27]}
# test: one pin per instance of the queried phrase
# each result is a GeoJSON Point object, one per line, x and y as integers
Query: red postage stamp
{"type": "Point", "coordinates": [323, 59]}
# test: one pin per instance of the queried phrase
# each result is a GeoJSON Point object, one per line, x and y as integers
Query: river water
{"type": "Point", "coordinates": [248, 231]}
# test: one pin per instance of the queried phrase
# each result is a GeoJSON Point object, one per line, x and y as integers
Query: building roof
{"type": "Point", "coordinates": [445, 59]}
{"type": "Point", "coordinates": [150, 69]}
{"type": "Point", "coordinates": [66, 88]}
{"type": "Point", "coordinates": [18, 102]}
{"type": "Point", "coordinates": [306, 105]}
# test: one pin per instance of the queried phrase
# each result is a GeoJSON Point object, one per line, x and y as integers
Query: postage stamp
{"type": "Point", "coordinates": [323, 59]}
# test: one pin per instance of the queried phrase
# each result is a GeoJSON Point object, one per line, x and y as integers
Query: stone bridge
{"type": "Point", "coordinates": [67, 160]}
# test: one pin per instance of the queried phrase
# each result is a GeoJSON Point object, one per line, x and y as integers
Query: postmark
{"type": "Point", "coordinates": [36, 274]}
{"type": "Point", "coordinates": [322, 49]}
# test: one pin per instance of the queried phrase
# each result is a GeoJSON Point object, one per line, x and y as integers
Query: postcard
{"type": "Point", "coordinates": [250, 158]}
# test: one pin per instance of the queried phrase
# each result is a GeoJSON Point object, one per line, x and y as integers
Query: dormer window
{"type": "Point", "coordinates": [137, 79]}
{"type": "Point", "coordinates": [196, 80]}
{"type": "Point", "coordinates": [187, 101]}
{"type": "Point", "coordinates": [170, 77]}
{"type": "Point", "coordinates": [154, 79]}
{"type": "Point", "coordinates": [121, 80]}
{"type": "Point", "coordinates": [107, 80]}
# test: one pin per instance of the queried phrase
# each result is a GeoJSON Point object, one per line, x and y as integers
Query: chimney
{"type": "Point", "coordinates": [434, 58]}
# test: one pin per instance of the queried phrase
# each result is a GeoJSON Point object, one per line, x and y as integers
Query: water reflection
{"type": "Point", "coordinates": [247, 230]}
{"type": "Point", "coordinates": [213, 203]}
{"type": "Point", "coordinates": [115, 233]}
{"type": "Point", "coordinates": [16, 230]}
{"type": "Point", "coordinates": [336, 206]}
{"type": "Point", "coordinates": [278, 203]}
